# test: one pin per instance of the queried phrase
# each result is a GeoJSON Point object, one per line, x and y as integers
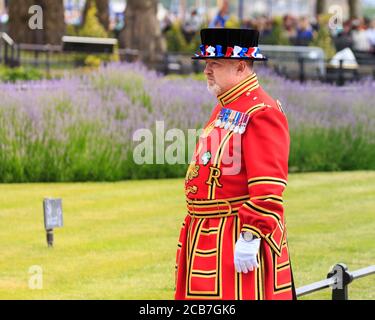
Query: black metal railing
{"type": "Point", "coordinates": [48, 56]}
{"type": "Point", "coordinates": [9, 51]}
{"type": "Point", "coordinates": [339, 73]}
{"type": "Point", "coordinates": [288, 62]}
{"type": "Point", "coordinates": [338, 279]}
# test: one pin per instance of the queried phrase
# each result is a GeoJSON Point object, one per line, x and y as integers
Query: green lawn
{"type": "Point", "coordinates": [119, 239]}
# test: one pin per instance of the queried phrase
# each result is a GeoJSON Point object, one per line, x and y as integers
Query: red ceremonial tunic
{"type": "Point", "coordinates": [235, 183]}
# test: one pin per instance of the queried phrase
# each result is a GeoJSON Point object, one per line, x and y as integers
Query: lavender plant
{"type": "Point", "coordinates": [80, 128]}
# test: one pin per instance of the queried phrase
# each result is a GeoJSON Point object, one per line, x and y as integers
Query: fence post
{"type": "Point", "coordinates": [48, 62]}
{"type": "Point", "coordinates": [301, 61]}
{"type": "Point", "coordinates": [18, 50]}
{"type": "Point", "coordinates": [12, 58]}
{"type": "Point", "coordinates": [340, 79]}
{"type": "Point", "coordinates": [343, 278]}
{"type": "Point", "coordinates": [196, 66]}
{"type": "Point", "coordinates": [6, 54]}
{"type": "Point", "coordinates": [36, 58]}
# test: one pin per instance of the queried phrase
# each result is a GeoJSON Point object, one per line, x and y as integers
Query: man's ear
{"type": "Point", "coordinates": [241, 67]}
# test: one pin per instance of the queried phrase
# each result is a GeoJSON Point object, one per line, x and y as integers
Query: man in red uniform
{"type": "Point", "coordinates": [233, 241]}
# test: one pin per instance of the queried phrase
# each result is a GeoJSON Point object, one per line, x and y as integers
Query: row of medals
{"type": "Point", "coordinates": [232, 120]}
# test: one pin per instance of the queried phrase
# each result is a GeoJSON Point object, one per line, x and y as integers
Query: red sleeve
{"type": "Point", "coordinates": [265, 148]}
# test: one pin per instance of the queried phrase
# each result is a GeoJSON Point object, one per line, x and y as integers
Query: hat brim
{"type": "Point", "coordinates": [229, 58]}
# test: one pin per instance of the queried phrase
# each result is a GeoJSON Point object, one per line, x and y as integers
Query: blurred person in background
{"type": "Point", "coordinates": [361, 41]}
{"type": "Point", "coordinates": [222, 16]}
{"type": "Point", "coordinates": [191, 25]}
{"type": "Point", "coordinates": [118, 25]}
{"type": "Point", "coordinates": [166, 23]}
{"type": "Point", "coordinates": [371, 35]}
{"type": "Point", "coordinates": [290, 28]}
{"type": "Point", "coordinates": [264, 25]}
{"type": "Point", "coordinates": [304, 32]}
{"type": "Point", "coordinates": [344, 38]}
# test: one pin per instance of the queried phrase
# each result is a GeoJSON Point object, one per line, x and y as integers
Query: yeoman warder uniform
{"type": "Point", "coordinates": [225, 199]}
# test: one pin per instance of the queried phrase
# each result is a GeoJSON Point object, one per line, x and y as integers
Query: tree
{"type": "Point", "coordinates": [323, 37]}
{"type": "Point", "coordinates": [142, 31]}
{"type": "Point", "coordinates": [320, 6]}
{"type": "Point", "coordinates": [102, 12]}
{"type": "Point", "coordinates": [53, 21]}
{"type": "Point", "coordinates": [92, 27]}
{"type": "Point", "coordinates": [354, 9]}
{"type": "Point", "coordinates": [18, 20]}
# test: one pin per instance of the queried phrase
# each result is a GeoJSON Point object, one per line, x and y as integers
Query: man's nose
{"type": "Point", "coordinates": [207, 69]}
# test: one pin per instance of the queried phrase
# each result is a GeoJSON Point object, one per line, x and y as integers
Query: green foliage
{"type": "Point", "coordinates": [92, 61]}
{"type": "Point", "coordinates": [95, 60]}
{"type": "Point", "coordinates": [176, 41]}
{"type": "Point", "coordinates": [232, 22]}
{"type": "Point", "coordinates": [89, 153]}
{"type": "Point", "coordinates": [277, 36]}
{"type": "Point", "coordinates": [323, 38]}
{"type": "Point", "coordinates": [368, 12]}
{"type": "Point", "coordinates": [195, 43]}
{"type": "Point", "coordinates": [92, 26]}
{"type": "Point", "coordinates": [175, 38]}
{"type": "Point", "coordinates": [319, 149]}
{"type": "Point", "coordinates": [19, 74]}
{"type": "Point", "coordinates": [71, 30]}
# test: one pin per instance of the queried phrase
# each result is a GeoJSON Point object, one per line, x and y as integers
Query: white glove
{"type": "Point", "coordinates": [245, 254]}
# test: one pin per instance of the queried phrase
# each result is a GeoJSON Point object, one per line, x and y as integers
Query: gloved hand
{"type": "Point", "coordinates": [245, 254]}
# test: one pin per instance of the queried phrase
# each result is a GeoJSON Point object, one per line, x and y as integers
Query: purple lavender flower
{"type": "Point", "coordinates": [81, 127]}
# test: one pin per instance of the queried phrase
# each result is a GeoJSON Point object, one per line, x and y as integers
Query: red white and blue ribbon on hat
{"type": "Point", "coordinates": [232, 52]}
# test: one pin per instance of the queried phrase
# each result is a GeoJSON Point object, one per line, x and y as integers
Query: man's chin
{"type": "Point", "coordinates": [214, 89]}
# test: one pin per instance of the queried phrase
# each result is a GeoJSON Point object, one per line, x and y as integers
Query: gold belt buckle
{"type": "Point", "coordinates": [222, 202]}
{"type": "Point", "coordinates": [229, 207]}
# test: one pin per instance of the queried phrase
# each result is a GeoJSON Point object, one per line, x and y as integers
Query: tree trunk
{"type": "Point", "coordinates": [19, 19]}
{"type": "Point", "coordinates": [354, 9]}
{"type": "Point", "coordinates": [142, 31]}
{"type": "Point", "coordinates": [53, 21]}
{"type": "Point", "coordinates": [103, 12]}
{"type": "Point", "coordinates": [320, 6]}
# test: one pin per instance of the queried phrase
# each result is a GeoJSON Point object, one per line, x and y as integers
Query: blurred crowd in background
{"type": "Point", "coordinates": [181, 20]}
{"type": "Point", "coordinates": [357, 34]}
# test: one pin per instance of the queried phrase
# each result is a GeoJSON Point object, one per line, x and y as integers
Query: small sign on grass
{"type": "Point", "coordinates": [53, 217]}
